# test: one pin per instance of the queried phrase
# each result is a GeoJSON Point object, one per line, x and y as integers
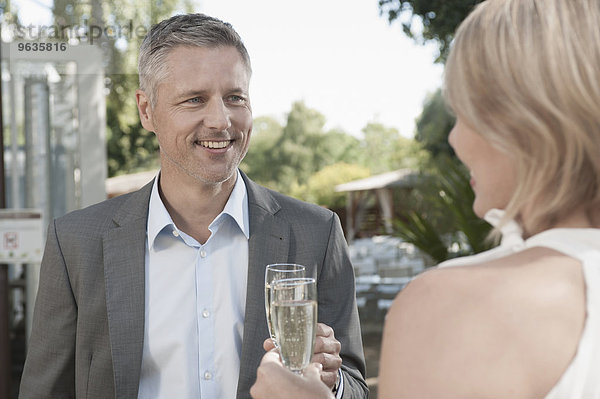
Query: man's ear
{"type": "Point", "coordinates": [145, 110]}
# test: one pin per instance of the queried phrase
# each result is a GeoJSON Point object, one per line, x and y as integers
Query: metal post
{"type": "Point", "coordinates": [5, 364]}
{"type": "Point", "coordinates": [37, 171]}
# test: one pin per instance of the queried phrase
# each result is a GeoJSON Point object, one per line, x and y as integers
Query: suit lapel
{"type": "Point", "coordinates": [268, 243]}
{"type": "Point", "coordinates": [124, 277]}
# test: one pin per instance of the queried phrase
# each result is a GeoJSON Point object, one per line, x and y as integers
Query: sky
{"type": "Point", "coordinates": [340, 57]}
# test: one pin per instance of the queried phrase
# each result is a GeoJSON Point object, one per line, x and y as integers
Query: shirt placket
{"type": "Point", "coordinates": [206, 323]}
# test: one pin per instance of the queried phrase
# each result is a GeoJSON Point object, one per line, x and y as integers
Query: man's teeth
{"type": "Point", "coordinates": [214, 144]}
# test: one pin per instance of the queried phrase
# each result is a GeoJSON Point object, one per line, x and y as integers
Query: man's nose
{"type": "Point", "coordinates": [217, 116]}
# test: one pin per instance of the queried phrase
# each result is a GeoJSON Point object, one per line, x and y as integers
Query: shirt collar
{"type": "Point", "coordinates": [158, 216]}
{"type": "Point", "coordinates": [236, 207]}
{"type": "Point", "coordinates": [512, 234]}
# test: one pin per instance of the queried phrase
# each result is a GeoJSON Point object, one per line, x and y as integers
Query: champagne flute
{"type": "Point", "coordinates": [278, 271]}
{"type": "Point", "coordinates": [294, 314]}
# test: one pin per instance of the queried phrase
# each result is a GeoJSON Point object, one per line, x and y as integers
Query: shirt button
{"type": "Point", "coordinates": [175, 233]}
{"type": "Point", "coordinates": [203, 254]}
{"type": "Point", "coordinates": [207, 375]}
{"type": "Point", "coordinates": [205, 313]}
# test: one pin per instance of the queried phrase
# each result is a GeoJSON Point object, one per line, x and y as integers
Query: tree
{"type": "Point", "coordinates": [439, 19]}
{"type": "Point", "coordinates": [303, 160]}
{"type": "Point", "coordinates": [434, 125]}
{"type": "Point", "coordinates": [320, 187]}
{"type": "Point", "coordinates": [281, 156]}
{"type": "Point", "coordinates": [384, 149]}
{"type": "Point", "coordinates": [301, 154]}
{"type": "Point", "coordinates": [343, 147]}
{"type": "Point", "coordinates": [379, 144]}
{"type": "Point", "coordinates": [285, 157]}
{"type": "Point", "coordinates": [260, 163]}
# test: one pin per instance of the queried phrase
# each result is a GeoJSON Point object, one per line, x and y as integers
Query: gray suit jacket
{"type": "Point", "coordinates": [88, 325]}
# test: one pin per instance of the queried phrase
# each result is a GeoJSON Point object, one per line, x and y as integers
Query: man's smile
{"type": "Point", "coordinates": [213, 144]}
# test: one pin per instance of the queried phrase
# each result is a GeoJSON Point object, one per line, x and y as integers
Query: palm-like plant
{"type": "Point", "coordinates": [444, 225]}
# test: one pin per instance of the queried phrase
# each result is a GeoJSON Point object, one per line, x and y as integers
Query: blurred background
{"type": "Point", "coordinates": [348, 114]}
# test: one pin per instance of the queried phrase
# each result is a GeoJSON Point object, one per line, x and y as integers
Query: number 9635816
{"type": "Point", "coordinates": [41, 46]}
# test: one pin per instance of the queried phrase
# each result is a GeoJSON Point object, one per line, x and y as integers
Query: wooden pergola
{"type": "Point", "coordinates": [123, 184]}
{"type": "Point", "coordinates": [361, 193]}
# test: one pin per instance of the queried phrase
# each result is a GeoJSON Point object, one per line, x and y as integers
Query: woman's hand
{"type": "Point", "coordinates": [273, 381]}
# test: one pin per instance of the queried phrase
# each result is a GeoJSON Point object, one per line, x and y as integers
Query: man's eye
{"type": "Point", "coordinates": [195, 100]}
{"type": "Point", "coordinates": [236, 99]}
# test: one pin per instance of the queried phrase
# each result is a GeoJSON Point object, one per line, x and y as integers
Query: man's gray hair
{"type": "Point", "coordinates": [197, 30]}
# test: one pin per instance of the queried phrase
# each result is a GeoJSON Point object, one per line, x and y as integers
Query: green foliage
{"type": "Point", "coordinates": [444, 218]}
{"type": "Point", "coordinates": [434, 125]}
{"type": "Point", "coordinates": [285, 157]}
{"type": "Point", "coordinates": [409, 154]}
{"type": "Point", "coordinates": [417, 230]}
{"type": "Point", "coordinates": [343, 147]}
{"type": "Point", "coordinates": [378, 145]}
{"type": "Point", "coordinates": [384, 149]}
{"type": "Point", "coordinates": [301, 159]}
{"type": "Point", "coordinates": [300, 153]}
{"type": "Point", "coordinates": [130, 148]}
{"type": "Point", "coordinates": [320, 187]}
{"type": "Point", "coordinates": [438, 19]}
{"type": "Point", "coordinates": [259, 162]}
{"type": "Point", "coordinates": [457, 196]}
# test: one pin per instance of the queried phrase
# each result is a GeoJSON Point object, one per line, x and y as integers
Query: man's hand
{"type": "Point", "coordinates": [327, 352]}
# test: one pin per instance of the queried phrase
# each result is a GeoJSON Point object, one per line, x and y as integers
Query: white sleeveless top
{"type": "Point", "coordinates": [581, 380]}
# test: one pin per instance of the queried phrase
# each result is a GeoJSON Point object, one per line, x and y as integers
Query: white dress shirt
{"type": "Point", "coordinates": [195, 303]}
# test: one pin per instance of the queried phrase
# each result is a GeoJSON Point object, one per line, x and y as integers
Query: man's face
{"type": "Point", "coordinates": [202, 116]}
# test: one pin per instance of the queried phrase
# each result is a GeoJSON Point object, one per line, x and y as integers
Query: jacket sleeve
{"type": "Point", "coordinates": [337, 308]}
{"type": "Point", "coordinates": [49, 370]}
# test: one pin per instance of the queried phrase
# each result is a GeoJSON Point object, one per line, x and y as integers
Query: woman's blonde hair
{"type": "Point", "coordinates": [525, 74]}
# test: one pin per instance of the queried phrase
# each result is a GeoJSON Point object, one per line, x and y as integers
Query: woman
{"type": "Point", "coordinates": [522, 320]}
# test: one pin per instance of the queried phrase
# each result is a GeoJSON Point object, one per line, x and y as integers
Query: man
{"type": "Point", "coordinates": [160, 293]}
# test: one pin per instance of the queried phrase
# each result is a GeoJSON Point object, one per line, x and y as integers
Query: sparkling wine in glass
{"type": "Point", "coordinates": [294, 313]}
{"type": "Point", "coordinates": [279, 271]}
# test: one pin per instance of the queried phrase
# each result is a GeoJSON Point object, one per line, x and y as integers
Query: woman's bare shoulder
{"type": "Point", "coordinates": [461, 329]}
